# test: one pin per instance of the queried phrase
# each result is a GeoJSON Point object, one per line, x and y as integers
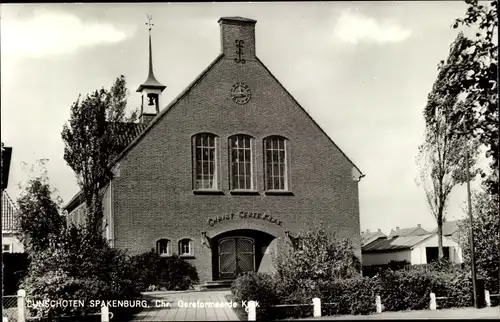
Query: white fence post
{"type": "Point", "coordinates": [487, 298]}
{"type": "Point", "coordinates": [317, 307]}
{"type": "Point", "coordinates": [21, 305]}
{"type": "Point", "coordinates": [104, 314]}
{"type": "Point", "coordinates": [252, 314]}
{"type": "Point", "coordinates": [378, 303]}
{"type": "Point", "coordinates": [433, 305]}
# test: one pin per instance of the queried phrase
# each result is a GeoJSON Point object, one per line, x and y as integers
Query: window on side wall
{"type": "Point", "coordinates": [186, 247]}
{"type": "Point", "coordinates": [5, 248]}
{"type": "Point", "coordinates": [205, 162]}
{"type": "Point", "coordinates": [163, 247]}
{"type": "Point", "coordinates": [277, 157]}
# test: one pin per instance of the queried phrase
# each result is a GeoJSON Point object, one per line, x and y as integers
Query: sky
{"type": "Point", "coordinates": [362, 70]}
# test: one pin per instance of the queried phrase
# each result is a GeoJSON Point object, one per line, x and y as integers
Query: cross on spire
{"type": "Point", "coordinates": [149, 24]}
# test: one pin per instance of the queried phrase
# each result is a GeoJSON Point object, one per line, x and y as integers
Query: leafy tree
{"type": "Point", "coordinates": [39, 215]}
{"type": "Point", "coordinates": [485, 227]}
{"type": "Point", "coordinates": [441, 158]}
{"type": "Point", "coordinates": [92, 141]}
{"type": "Point", "coordinates": [479, 60]}
{"type": "Point", "coordinates": [475, 75]}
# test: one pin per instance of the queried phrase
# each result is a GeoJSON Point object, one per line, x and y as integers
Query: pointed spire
{"type": "Point", "coordinates": [151, 81]}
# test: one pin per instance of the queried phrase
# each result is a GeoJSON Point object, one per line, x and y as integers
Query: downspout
{"type": "Point", "coordinates": [111, 216]}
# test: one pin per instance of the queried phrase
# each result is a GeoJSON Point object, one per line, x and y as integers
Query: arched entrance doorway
{"type": "Point", "coordinates": [240, 251]}
{"type": "Point", "coordinates": [236, 256]}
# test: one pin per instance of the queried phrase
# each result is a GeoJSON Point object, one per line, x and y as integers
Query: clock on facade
{"type": "Point", "coordinates": [241, 93]}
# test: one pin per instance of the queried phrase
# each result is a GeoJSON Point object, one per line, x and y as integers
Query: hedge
{"type": "Point", "coordinates": [399, 291]}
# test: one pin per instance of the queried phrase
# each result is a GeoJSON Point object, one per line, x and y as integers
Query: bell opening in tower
{"type": "Point", "coordinates": [152, 99]}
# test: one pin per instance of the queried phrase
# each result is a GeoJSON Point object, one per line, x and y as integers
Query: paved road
{"type": "Point", "coordinates": [188, 306]}
{"type": "Point", "coordinates": [462, 313]}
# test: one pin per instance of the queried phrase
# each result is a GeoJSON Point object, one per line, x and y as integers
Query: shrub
{"type": "Point", "coordinates": [145, 270]}
{"type": "Point", "coordinates": [15, 267]}
{"type": "Point", "coordinates": [176, 273]}
{"type": "Point", "coordinates": [258, 287]}
{"type": "Point", "coordinates": [170, 273]}
{"type": "Point", "coordinates": [77, 266]}
{"type": "Point", "coordinates": [317, 255]}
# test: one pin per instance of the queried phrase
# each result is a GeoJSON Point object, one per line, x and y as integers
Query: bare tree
{"type": "Point", "coordinates": [441, 158]}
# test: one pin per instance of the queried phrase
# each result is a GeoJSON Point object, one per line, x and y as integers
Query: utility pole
{"type": "Point", "coordinates": [471, 231]}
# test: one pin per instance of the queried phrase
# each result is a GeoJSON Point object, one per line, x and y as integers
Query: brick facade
{"type": "Point", "coordinates": [152, 195]}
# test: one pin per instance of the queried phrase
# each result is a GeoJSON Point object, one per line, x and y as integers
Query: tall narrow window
{"type": "Point", "coordinates": [276, 163]}
{"type": "Point", "coordinates": [205, 161]}
{"type": "Point", "coordinates": [240, 147]}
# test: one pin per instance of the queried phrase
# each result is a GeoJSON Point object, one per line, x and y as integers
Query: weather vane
{"type": "Point", "coordinates": [149, 24]}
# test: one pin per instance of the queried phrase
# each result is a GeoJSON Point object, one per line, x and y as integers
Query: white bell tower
{"type": "Point", "coordinates": [151, 89]}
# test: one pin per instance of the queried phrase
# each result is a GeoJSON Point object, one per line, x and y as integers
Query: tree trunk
{"type": "Point", "coordinates": [440, 237]}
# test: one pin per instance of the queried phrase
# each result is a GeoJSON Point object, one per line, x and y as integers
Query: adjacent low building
{"type": "Point", "coordinates": [414, 250]}
{"type": "Point", "coordinates": [10, 240]}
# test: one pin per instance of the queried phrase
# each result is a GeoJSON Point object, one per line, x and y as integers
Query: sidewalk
{"type": "Point", "coordinates": [171, 306]}
{"type": "Point", "coordinates": [459, 313]}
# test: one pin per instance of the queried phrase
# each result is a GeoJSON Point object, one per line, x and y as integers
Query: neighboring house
{"type": "Point", "coordinates": [10, 242]}
{"type": "Point", "coordinates": [419, 249]}
{"type": "Point", "coordinates": [369, 236]}
{"type": "Point", "coordinates": [412, 231]}
{"type": "Point", "coordinates": [229, 172]}
{"type": "Point", "coordinates": [451, 229]}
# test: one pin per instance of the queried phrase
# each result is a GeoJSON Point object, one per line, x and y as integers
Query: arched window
{"type": "Point", "coordinates": [205, 161]}
{"type": "Point", "coordinates": [241, 162]}
{"type": "Point", "coordinates": [186, 247]}
{"type": "Point", "coordinates": [276, 163]}
{"type": "Point", "coordinates": [163, 247]}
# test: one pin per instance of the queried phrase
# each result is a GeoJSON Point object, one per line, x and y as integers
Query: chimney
{"type": "Point", "coordinates": [238, 38]}
{"type": "Point", "coordinates": [419, 226]}
{"type": "Point", "coordinates": [368, 230]}
{"type": "Point", "coordinates": [397, 229]}
{"type": "Point", "coordinates": [379, 230]}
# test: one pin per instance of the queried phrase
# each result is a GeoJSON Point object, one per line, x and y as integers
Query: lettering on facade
{"type": "Point", "coordinates": [243, 215]}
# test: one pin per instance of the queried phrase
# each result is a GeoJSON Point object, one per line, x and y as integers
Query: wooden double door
{"type": "Point", "coordinates": [236, 256]}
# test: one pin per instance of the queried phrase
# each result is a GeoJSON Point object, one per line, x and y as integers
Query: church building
{"type": "Point", "coordinates": [229, 172]}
